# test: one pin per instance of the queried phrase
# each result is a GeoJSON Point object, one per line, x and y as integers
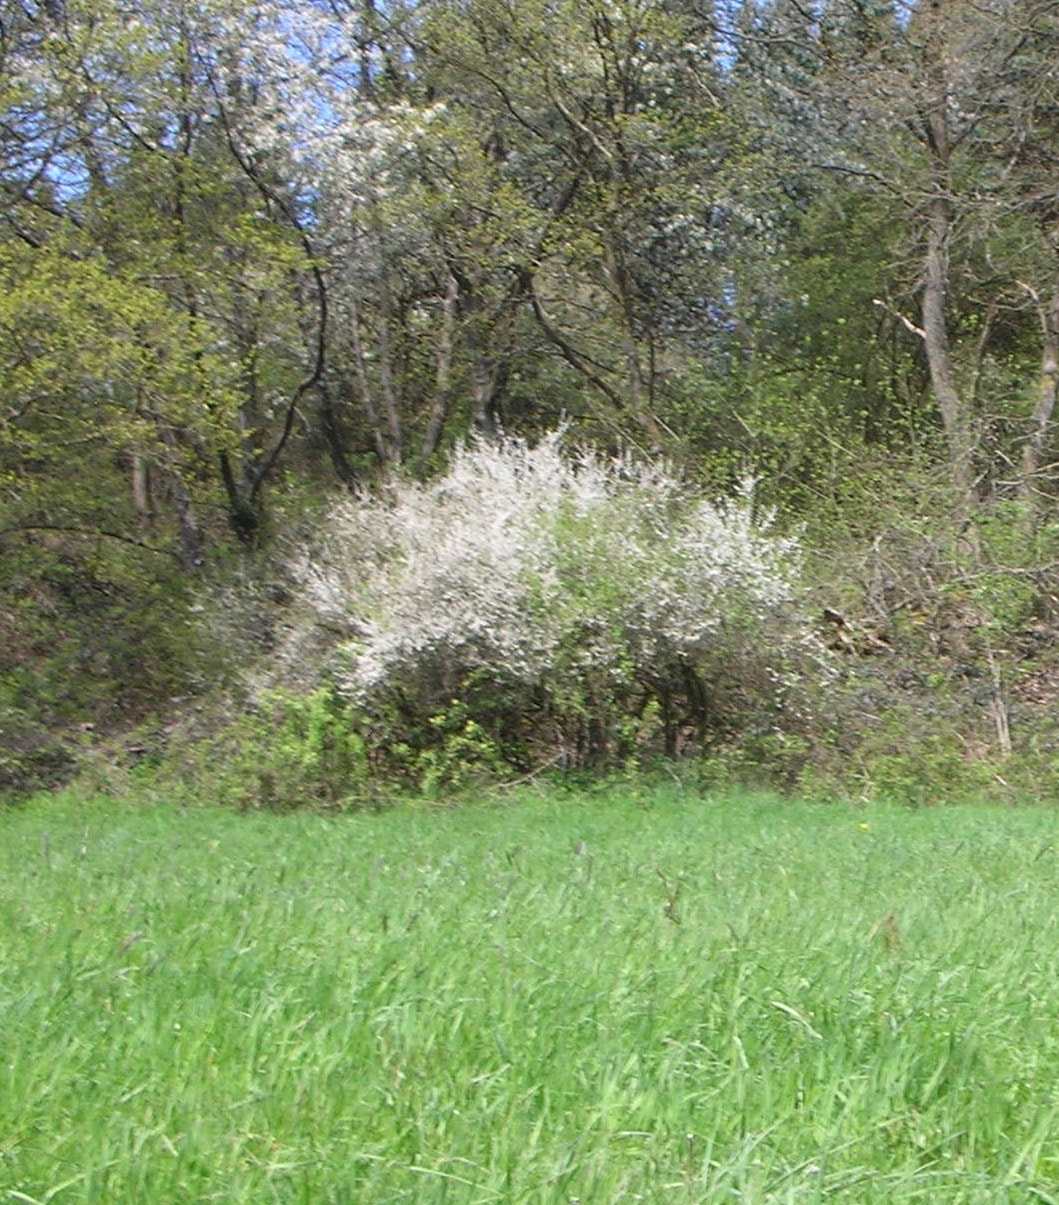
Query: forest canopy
{"type": "Point", "coordinates": [260, 257]}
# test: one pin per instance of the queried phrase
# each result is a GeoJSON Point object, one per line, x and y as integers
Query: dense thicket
{"type": "Point", "coordinates": [255, 254]}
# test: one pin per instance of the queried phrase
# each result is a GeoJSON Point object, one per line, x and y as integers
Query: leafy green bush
{"type": "Point", "coordinates": [287, 751]}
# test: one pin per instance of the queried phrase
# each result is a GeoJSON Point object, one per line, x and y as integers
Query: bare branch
{"type": "Point", "coordinates": [906, 322]}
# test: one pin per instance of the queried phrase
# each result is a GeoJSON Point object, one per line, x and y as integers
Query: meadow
{"type": "Point", "coordinates": [612, 997]}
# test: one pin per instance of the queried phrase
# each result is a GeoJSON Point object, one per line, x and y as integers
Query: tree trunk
{"type": "Point", "coordinates": [952, 407]}
{"type": "Point", "coordinates": [394, 437]}
{"type": "Point", "coordinates": [484, 420]}
{"type": "Point", "coordinates": [191, 544]}
{"type": "Point", "coordinates": [331, 429]}
{"type": "Point", "coordinates": [141, 489]}
{"type": "Point", "coordinates": [439, 411]}
{"type": "Point", "coordinates": [387, 383]}
{"type": "Point", "coordinates": [620, 288]}
{"type": "Point", "coordinates": [1047, 390]}
{"type": "Point", "coordinates": [367, 398]}
{"type": "Point", "coordinates": [954, 417]}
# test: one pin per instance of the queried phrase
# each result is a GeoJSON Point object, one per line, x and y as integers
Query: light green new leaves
{"type": "Point", "coordinates": [93, 361]}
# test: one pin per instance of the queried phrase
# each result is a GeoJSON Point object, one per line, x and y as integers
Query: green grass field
{"type": "Point", "coordinates": [669, 999]}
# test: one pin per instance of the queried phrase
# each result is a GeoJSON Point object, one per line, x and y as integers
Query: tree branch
{"type": "Point", "coordinates": [906, 322]}
{"type": "Point", "coordinates": [90, 533]}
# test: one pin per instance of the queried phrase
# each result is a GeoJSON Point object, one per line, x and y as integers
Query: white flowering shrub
{"type": "Point", "coordinates": [537, 599]}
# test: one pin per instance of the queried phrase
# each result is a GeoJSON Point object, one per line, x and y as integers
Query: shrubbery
{"type": "Point", "coordinates": [535, 608]}
{"type": "Point", "coordinates": [95, 637]}
{"type": "Point", "coordinates": [536, 604]}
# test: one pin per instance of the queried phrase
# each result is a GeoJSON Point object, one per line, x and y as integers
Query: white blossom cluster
{"type": "Point", "coordinates": [539, 567]}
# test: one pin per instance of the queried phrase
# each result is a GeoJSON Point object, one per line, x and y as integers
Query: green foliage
{"type": "Point", "coordinates": [460, 753]}
{"type": "Point", "coordinates": [767, 760]}
{"type": "Point", "coordinates": [289, 751]}
{"type": "Point", "coordinates": [1011, 563]}
{"type": "Point", "coordinates": [904, 760]}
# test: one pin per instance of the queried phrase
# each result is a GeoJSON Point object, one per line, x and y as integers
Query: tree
{"type": "Point", "coordinates": [927, 108]}
{"type": "Point", "coordinates": [143, 175]}
{"type": "Point", "coordinates": [611, 126]}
